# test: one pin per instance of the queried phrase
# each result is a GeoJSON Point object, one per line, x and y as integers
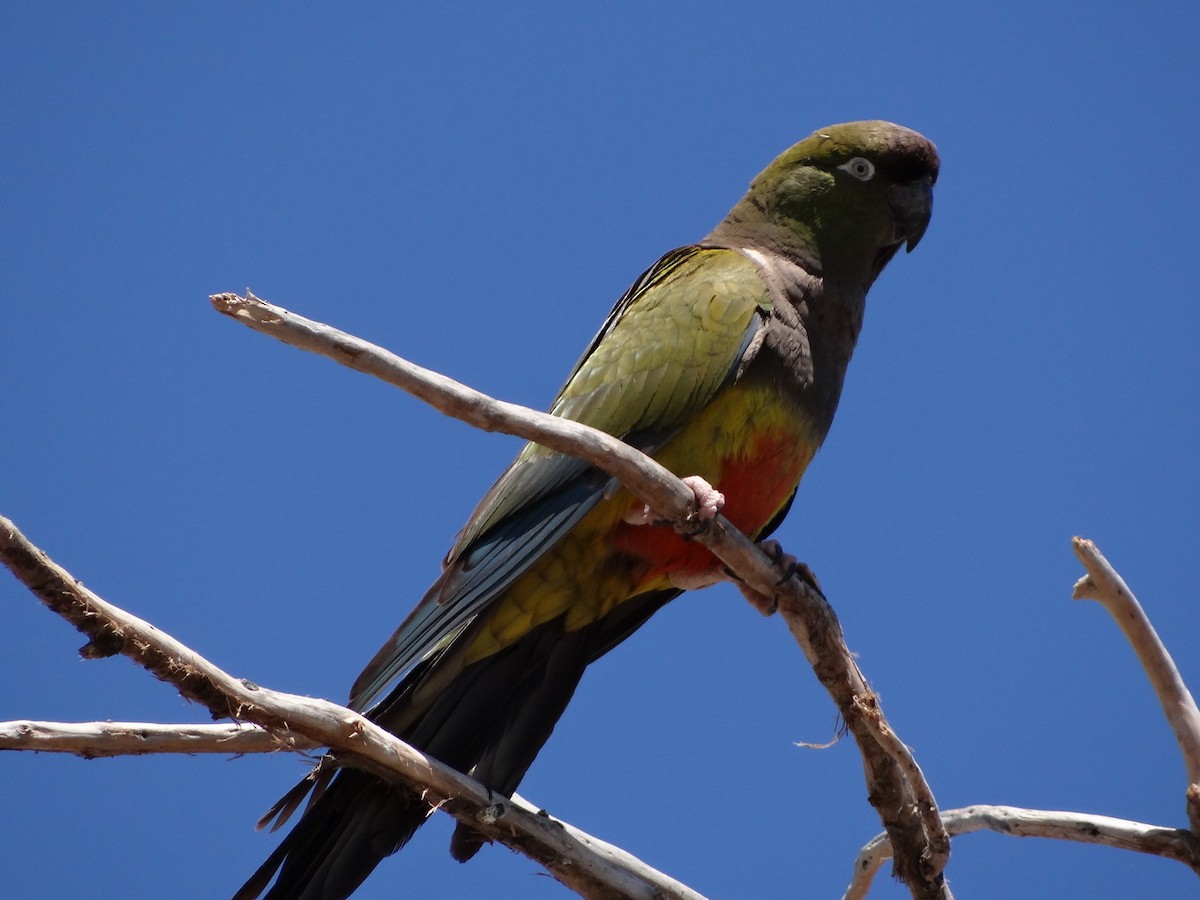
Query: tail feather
{"type": "Point", "coordinates": [489, 718]}
{"type": "Point", "coordinates": [312, 786]}
{"type": "Point", "coordinates": [350, 828]}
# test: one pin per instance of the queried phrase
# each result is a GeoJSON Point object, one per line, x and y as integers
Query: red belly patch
{"type": "Point", "coordinates": [756, 485]}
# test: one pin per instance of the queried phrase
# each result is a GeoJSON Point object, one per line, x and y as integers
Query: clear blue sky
{"type": "Point", "coordinates": [473, 187]}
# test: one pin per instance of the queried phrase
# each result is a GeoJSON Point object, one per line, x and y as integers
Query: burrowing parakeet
{"type": "Point", "coordinates": [724, 361]}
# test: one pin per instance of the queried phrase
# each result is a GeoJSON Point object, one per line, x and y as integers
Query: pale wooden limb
{"type": "Point", "coordinates": [582, 863]}
{"type": "Point", "coordinates": [660, 489]}
{"type": "Point", "coordinates": [896, 787]}
{"type": "Point", "coordinates": [1123, 834]}
{"type": "Point", "coordinates": [93, 740]}
{"type": "Point", "coordinates": [1102, 583]}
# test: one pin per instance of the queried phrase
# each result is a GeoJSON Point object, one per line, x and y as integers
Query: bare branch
{"type": "Point", "coordinates": [1104, 584]}
{"type": "Point", "coordinates": [659, 488]}
{"type": "Point", "coordinates": [111, 630]}
{"type": "Point", "coordinates": [1123, 834]}
{"type": "Point", "coordinates": [896, 787]}
{"type": "Point", "coordinates": [582, 863]}
{"type": "Point", "coordinates": [93, 740]}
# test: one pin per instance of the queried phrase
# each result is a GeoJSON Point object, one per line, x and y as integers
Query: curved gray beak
{"type": "Point", "coordinates": [912, 204]}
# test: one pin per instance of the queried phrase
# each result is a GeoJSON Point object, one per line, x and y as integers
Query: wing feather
{"type": "Point", "coordinates": [671, 341]}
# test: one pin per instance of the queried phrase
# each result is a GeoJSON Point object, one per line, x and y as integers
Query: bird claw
{"type": "Point", "coordinates": [708, 500]}
{"type": "Point", "coordinates": [764, 603]}
{"type": "Point", "coordinates": [768, 604]}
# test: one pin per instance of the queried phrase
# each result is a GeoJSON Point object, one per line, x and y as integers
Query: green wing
{"type": "Point", "coordinates": [675, 337]}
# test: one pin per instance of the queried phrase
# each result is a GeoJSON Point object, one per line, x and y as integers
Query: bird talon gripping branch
{"type": "Point", "coordinates": [709, 501]}
{"type": "Point", "coordinates": [725, 359]}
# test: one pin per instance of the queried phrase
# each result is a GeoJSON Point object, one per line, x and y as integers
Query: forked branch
{"type": "Point", "coordinates": [581, 862]}
{"type": "Point", "coordinates": [895, 785]}
{"type": "Point", "coordinates": [1123, 834]}
{"type": "Point", "coordinates": [1104, 584]}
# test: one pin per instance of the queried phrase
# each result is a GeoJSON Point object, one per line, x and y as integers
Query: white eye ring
{"type": "Point", "coordinates": [862, 169]}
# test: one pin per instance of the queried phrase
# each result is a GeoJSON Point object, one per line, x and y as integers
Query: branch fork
{"type": "Point", "coordinates": [916, 835]}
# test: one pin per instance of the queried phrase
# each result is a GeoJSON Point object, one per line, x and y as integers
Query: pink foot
{"type": "Point", "coordinates": [709, 502]}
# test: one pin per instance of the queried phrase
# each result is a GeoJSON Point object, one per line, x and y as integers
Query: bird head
{"type": "Point", "coordinates": [842, 201]}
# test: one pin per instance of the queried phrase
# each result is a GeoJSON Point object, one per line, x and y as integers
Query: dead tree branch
{"type": "Point", "coordinates": [1103, 584]}
{"type": "Point", "coordinates": [93, 740]}
{"type": "Point", "coordinates": [588, 866]}
{"type": "Point", "coordinates": [896, 787]}
{"type": "Point", "coordinates": [1123, 834]}
{"type": "Point", "coordinates": [916, 835]}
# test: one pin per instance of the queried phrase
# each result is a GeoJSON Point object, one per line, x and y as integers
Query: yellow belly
{"type": "Point", "coordinates": [749, 443]}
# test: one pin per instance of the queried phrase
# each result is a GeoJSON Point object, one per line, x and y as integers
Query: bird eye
{"type": "Point", "coordinates": [862, 169]}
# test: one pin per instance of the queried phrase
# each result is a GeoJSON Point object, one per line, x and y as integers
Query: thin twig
{"type": "Point", "coordinates": [1123, 834]}
{"type": "Point", "coordinates": [1103, 584]}
{"type": "Point", "coordinates": [895, 784]}
{"type": "Point", "coordinates": [583, 863]}
{"type": "Point", "coordinates": [93, 740]}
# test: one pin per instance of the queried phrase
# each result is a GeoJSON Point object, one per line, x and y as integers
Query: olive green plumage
{"type": "Point", "coordinates": [725, 360]}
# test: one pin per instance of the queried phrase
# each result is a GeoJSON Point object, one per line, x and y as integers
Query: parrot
{"type": "Point", "coordinates": [724, 362]}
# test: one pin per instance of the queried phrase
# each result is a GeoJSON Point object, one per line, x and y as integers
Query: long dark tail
{"type": "Point", "coordinates": [355, 824]}
{"type": "Point", "coordinates": [490, 719]}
